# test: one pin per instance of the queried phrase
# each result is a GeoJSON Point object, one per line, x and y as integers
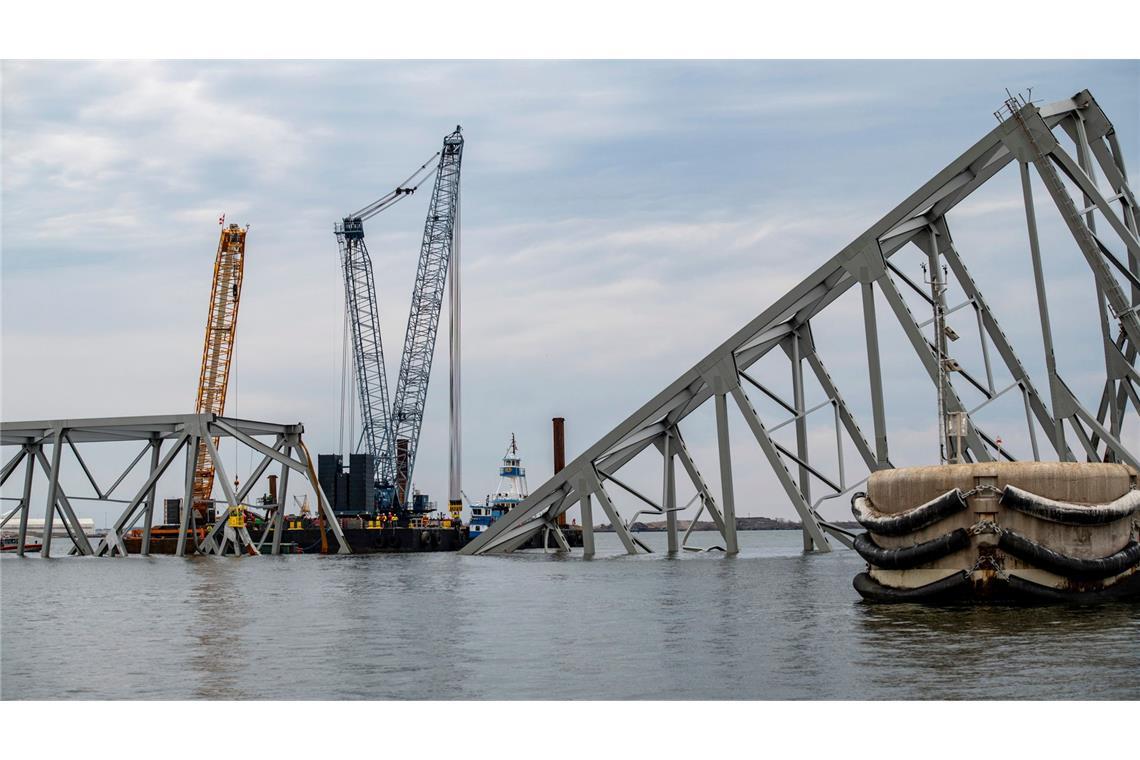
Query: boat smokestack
{"type": "Point", "coordinates": [560, 454]}
{"type": "Point", "coordinates": [559, 444]}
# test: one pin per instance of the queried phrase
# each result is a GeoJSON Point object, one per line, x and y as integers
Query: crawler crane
{"type": "Point", "coordinates": [391, 430]}
{"type": "Point", "coordinates": [217, 354]}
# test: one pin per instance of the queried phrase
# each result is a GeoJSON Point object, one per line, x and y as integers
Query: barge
{"type": "Point", "coordinates": [304, 537]}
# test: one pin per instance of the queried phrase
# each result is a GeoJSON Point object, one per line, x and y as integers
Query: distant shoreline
{"type": "Point", "coordinates": [742, 523]}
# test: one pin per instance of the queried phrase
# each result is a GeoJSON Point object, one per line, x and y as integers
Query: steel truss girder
{"type": "Point", "coordinates": [427, 300]}
{"type": "Point", "coordinates": [185, 432]}
{"type": "Point", "coordinates": [866, 262]}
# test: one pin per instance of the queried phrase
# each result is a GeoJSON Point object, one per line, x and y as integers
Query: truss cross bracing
{"type": "Point", "coordinates": [1072, 148]}
{"type": "Point", "coordinates": [165, 439]}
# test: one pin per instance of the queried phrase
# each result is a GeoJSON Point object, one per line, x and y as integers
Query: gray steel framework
{"type": "Point", "coordinates": [183, 432]}
{"type": "Point", "coordinates": [367, 346]}
{"type": "Point", "coordinates": [362, 312]}
{"type": "Point", "coordinates": [384, 422]}
{"type": "Point", "coordinates": [1027, 135]}
{"type": "Point", "coordinates": [427, 300]}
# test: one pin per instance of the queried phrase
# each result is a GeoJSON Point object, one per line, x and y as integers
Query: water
{"type": "Point", "coordinates": [767, 624]}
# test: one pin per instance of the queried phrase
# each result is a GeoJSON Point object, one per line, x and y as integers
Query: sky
{"type": "Point", "coordinates": [619, 221]}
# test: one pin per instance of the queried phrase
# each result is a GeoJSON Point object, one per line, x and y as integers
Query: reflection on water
{"type": "Point", "coordinates": [218, 619]}
{"type": "Point", "coordinates": [770, 623]}
{"type": "Point", "coordinates": [975, 652]}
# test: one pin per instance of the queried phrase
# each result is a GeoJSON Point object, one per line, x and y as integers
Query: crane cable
{"type": "Point", "coordinates": [347, 379]}
{"type": "Point", "coordinates": [234, 413]}
{"type": "Point", "coordinates": [344, 370]}
{"type": "Point", "coordinates": [403, 189]}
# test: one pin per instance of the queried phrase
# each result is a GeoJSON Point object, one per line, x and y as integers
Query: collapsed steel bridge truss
{"type": "Point", "coordinates": [1089, 190]}
{"type": "Point", "coordinates": [164, 438]}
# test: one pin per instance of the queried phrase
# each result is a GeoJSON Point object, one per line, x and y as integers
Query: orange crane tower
{"type": "Point", "coordinates": [218, 351]}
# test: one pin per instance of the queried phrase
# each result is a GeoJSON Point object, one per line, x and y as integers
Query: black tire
{"type": "Point", "coordinates": [1067, 566]}
{"type": "Point", "coordinates": [908, 521]}
{"type": "Point", "coordinates": [948, 589]}
{"type": "Point", "coordinates": [906, 557]}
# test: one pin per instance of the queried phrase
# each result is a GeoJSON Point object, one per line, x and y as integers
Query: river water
{"type": "Point", "coordinates": [770, 623]}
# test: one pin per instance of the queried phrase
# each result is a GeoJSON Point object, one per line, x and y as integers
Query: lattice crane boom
{"type": "Point", "coordinates": [217, 353]}
{"type": "Point", "coordinates": [364, 320]}
{"type": "Point", "coordinates": [391, 427]}
{"type": "Point", "coordinates": [367, 346]}
{"type": "Point", "coordinates": [427, 300]}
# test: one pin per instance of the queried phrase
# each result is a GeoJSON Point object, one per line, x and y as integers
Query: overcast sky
{"type": "Point", "coordinates": [619, 221]}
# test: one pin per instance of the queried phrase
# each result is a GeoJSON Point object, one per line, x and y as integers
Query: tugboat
{"type": "Point", "coordinates": [512, 489]}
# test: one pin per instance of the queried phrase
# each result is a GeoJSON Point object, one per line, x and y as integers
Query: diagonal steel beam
{"type": "Point", "coordinates": [1109, 439]}
{"type": "Point", "coordinates": [926, 356]}
{"type": "Point", "coordinates": [128, 513]}
{"type": "Point", "coordinates": [708, 501]}
{"type": "Point", "coordinates": [12, 464]}
{"type": "Point", "coordinates": [807, 515]}
{"type": "Point", "coordinates": [127, 471]}
{"type": "Point", "coordinates": [59, 500]}
{"type": "Point", "coordinates": [997, 335]}
{"type": "Point", "coordinates": [83, 466]}
{"type": "Point", "coordinates": [845, 414]}
{"type": "Point", "coordinates": [864, 262]}
{"type": "Point", "coordinates": [1029, 133]}
{"type": "Point", "coordinates": [613, 516]}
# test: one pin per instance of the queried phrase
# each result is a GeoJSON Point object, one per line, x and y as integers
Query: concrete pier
{"type": "Point", "coordinates": [994, 530]}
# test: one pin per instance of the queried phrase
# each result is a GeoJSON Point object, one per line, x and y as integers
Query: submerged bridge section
{"type": "Point", "coordinates": [1072, 148]}
{"type": "Point", "coordinates": [42, 446]}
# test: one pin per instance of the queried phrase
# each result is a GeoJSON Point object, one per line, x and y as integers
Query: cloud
{"type": "Point", "coordinates": [620, 220]}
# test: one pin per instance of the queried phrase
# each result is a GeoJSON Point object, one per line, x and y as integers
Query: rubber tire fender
{"type": "Point", "coordinates": [906, 557]}
{"type": "Point", "coordinates": [1065, 565]}
{"type": "Point", "coordinates": [1070, 514]}
{"type": "Point", "coordinates": [910, 520]}
{"type": "Point", "coordinates": [949, 588]}
{"type": "Point", "coordinates": [1127, 588]}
